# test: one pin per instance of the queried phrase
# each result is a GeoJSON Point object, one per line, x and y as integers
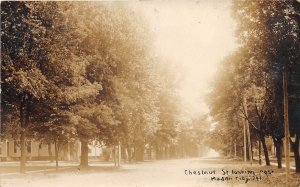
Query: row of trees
{"type": "Point", "coordinates": [250, 85]}
{"type": "Point", "coordinates": [86, 71]}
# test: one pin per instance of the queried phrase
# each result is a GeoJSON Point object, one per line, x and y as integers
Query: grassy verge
{"type": "Point", "coordinates": [264, 176]}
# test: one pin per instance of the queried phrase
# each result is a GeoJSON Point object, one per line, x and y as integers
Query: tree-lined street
{"type": "Point", "coordinates": [137, 93]}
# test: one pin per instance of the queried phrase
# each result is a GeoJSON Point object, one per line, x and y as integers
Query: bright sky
{"type": "Point", "coordinates": [195, 36]}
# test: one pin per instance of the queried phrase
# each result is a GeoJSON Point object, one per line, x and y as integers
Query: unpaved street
{"type": "Point", "coordinates": [182, 172]}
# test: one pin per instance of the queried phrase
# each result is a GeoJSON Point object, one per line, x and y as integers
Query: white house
{"type": "Point", "coordinates": [10, 150]}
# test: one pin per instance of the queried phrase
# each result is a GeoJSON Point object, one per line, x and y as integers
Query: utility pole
{"type": "Point", "coordinates": [248, 130]}
{"type": "Point", "coordinates": [245, 142]}
{"type": "Point", "coordinates": [286, 124]}
{"type": "Point", "coordinates": [249, 141]}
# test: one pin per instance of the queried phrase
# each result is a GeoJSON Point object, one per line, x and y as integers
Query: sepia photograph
{"type": "Point", "coordinates": [150, 93]}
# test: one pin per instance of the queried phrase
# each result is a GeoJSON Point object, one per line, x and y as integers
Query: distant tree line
{"type": "Point", "coordinates": [250, 83]}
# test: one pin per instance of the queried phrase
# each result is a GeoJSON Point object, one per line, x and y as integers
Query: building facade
{"type": "Point", "coordinates": [35, 150]}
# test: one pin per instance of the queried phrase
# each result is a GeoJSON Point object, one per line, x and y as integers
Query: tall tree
{"type": "Point", "coordinates": [23, 82]}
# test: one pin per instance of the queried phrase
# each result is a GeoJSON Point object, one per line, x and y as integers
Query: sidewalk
{"type": "Point", "coordinates": [13, 168]}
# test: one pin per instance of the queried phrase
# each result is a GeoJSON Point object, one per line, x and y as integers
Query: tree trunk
{"type": "Point", "coordinates": [133, 152]}
{"type": "Point", "coordinates": [50, 152]}
{"type": "Point", "coordinates": [234, 150]}
{"type": "Point", "coordinates": [84, 154]}
{"type": "Point", "coordinates": [115, 155]}
{"type": "Point", "coordinates": [141, 154]}
{"type": "Point", "coordinates": [296, 153]}
{"type": "Point", "coordinates": [157, 152]}
{"type": "Point", "coordinates": [119, 154]}
{"type": "Point", "coordinates": [139, 151]}
{"type": "Point", "coordinates": [24, 118]}
{"type": "Point", "coordinates": [129, 154]}
{"type": "Point", "coordinates": [23, 151]}
{"type": "Point", "coordinates": [278, 144]}
{"type": "Point", "coordinates": [124, 154]}
{"type": "Point", "coordinates": [56, 154]}
{"type": "Point", "coordinates": [286, 123]}
{"type": "Point", "coordinates": [150, 152]}
{"type": "Point", "coordinates": [263, 142]}
{"type": "Point", "coordinates": [259, 152]}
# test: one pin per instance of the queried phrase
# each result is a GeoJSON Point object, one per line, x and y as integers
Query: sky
{"type": "Point", "coordinates": [195, 36]}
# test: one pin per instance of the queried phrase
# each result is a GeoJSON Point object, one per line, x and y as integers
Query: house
{"type": "Point", "coordinates": [10, 150]}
